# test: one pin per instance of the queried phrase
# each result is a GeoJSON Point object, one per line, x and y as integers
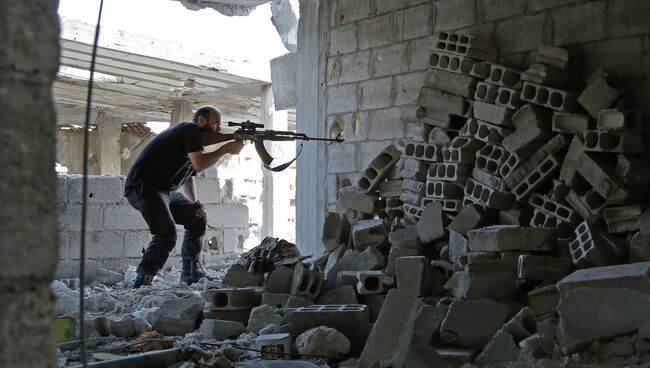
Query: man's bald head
{"type": "Point", "coordinates": [206, 111]}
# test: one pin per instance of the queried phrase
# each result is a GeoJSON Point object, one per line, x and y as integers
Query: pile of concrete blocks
{"type": "Point", "coordinates": [529, 180]}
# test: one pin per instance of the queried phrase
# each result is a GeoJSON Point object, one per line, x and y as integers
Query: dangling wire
{"type": "Point", "coordinates": [84, 195]}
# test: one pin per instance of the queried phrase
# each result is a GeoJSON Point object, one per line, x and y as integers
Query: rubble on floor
{"type": "Point", "coordinates": [512, 235]}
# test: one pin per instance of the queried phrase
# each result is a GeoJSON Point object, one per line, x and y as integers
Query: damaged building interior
{"type": "Point", "coordinates": [480, 197]}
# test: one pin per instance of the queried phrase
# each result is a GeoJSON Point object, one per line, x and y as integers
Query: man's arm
{"type": "Point", "coordinates": [190, 189]}
{"type": "Point", "coordinates": [210, 138]}
{"type": "Point", "coordinates": [201, 161]}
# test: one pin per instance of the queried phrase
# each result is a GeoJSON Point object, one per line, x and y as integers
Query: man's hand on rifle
{"type": "Point", "coordinates": [233, 147]}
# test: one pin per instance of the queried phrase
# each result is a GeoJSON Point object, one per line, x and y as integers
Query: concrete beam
{"type": "Point", "coordinates": [109, 129]}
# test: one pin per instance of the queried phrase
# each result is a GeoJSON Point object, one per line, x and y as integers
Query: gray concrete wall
{"type": "Point", "coordinates": [377, 54]}
{"type": "Point", "coordinates": [29, 52]}
{"type": "Point", "coordinates": [117, 232]}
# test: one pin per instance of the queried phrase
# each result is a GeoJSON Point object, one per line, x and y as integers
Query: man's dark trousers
{"type": "Point", "coordinates": [162, 211]}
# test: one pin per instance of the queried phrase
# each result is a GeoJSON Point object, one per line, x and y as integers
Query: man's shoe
{"type": "Point", "coordinates": [142, 279]}
{"type": "Point", "coordinates": [192, 270]}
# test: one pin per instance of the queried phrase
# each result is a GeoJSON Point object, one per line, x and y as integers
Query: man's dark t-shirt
{"type": "Point", "coordinates": [163, 164]}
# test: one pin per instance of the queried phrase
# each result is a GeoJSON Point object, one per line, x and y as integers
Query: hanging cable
{"type": "Point", "coordinates": [84, 194]}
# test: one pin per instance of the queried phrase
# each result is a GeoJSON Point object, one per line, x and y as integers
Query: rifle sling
{"type": "Point", "coordinates": [284, 165]}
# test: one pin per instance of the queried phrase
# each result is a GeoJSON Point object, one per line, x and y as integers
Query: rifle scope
{"type": "Point", "coordinates": [246, 124]}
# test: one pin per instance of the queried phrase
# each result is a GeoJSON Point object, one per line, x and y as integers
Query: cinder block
{"type": "Point", "coordinates": [450, 171]}
{"type": "Point", "coordinates": [208, 190]}
{"type": "Point", "coordinates": [414, 186]}
{"type": "Point", "coordinates": [555, 209]}
{"type": "Point", "coordinates": [435, 99]}
{"type": "Point", "coordinates": [501, 238]}
{"type": "Point", "coordinates": [427, 324]}
{"type": "Point", "coordinates": [544, 300]}
{"type": "Point", "coordinates": [237, 215]}
{"type": "Point", "coordinates": [570, 123]}
{"type": "Point", "coordinates": [504, 77]}
{"type": "Point", "coordinates": [376, 31]}
{"type": "Point", "coordinates": [431, 226]}
{"type": "Point", "coordinates": [433, 117]}
{"type": "Point", "coordinates": [589, 204]}
{"type": "Point", "coordinates": [571, 160]}
{"type": "Point", "coordinates": [481, 70]}
{"type": "Point", "coordinates": [415, 170]}
{"type": "Point", "coordinates": [352, 198]}
{"type": "Point", "coordinates": [352, 320]}
{"type": "Point", "coordinates": [390, 336]}
{"type": "Point", "coordinates": [342, 98]}
{"type": "Point", "coordinates": [632, 170]}
{"type": "Point", "coordinates": [232, 298]}
{"type": "Point", "coordinates": [240, 316]}
{"type": "Point", "coordinates": [378, 169]}
{"type": "Point", "coordinates": [306, 283]}
{"type": "Point", "coordinates": [508, 98]}
{"type": "Point", "coordinates": [519, 217]}
{"type": "Point", "coordinates": [552, 98]}
{"type": "Point", "coordinates": [490, 158]}
{"type": "Point", "coordinates": [343, 39]}
{"type": "Point", "coordinates": [390, 188]}
{"type": "Point", "coordinates": [538, 177]}
{"type": "Point", "coordinates": [406, 237]}
{"type": "Point", "coordinates": [556, 144]}
{"type": "Point", "coordinates": [486, 178]}
{"type": "Point", "coordinates": [220, 329]}
{"type": "Point", "coordinates": [594, 248]}
{"type": "Point", "coordinates": [410, 197]}
{"type": "Point", "coordinates": [454, 83]}
{"type": "Point", "coordinates": [472, 323]}
{"type": "Point", "coordinates": [277, 300]}
{"type": "Point", "coordinates": [101, 188]}
{"type": "Point", "coordinates": [279, 280]}
{"type": "Point", "coordinates": [547, 75]}
{"type": "Point", "coordinates": [616, 119]}
{"type": "Point", "coordinates": [476, 192]}
{"type": "Point", "coordinates": [412, 211]}
{"type": "Point", "coordinates": [342, 295]}
{"type": "Point", "coordinates": [469, 218]}
{"type": "Point", "coordinates": [452, 205]}
{"type": "Point", "coordinates": [533, 267]}
{"type": "Point", "coordinates": [413, 275]}
{"type": "Point", "coordinates": [394, 208]}
{"type": "Point", "coordinates": [372, 282]}
{"type": "Point", "coordinates": [531, 131]}
{"type": "Point", "coordinates": [370, 259]}
{"type": "Point", "coordinates": [69, 217]}
{"type": "Point", "coordinates": [457, 246]}
{"type": "Point", "coordinates": [485, 277]}
{"type": "Point", "coordinates": [368, 233]}
{"type": "Point", "coordinates": [465, 45]}
{"type": "Point", "coordinates": [485, 132]}
{"type": "Point", "coordinates": [486, 92]}
{"type": "Point", "coordinates": [613, 142]}
{"type": "Point", "coordinates": [491, 113]}
{"type": "Point", "coordinates": [394, 254]}
{"type": "Point", "coordinates": [423, 151]}
{"type": "Point", "coordinates": [599, 94]}
{"type": "Point", "coordinates": [621, 219]}
{"type": "Point", "coordinates": [556, 56]}
{"type": "Point", "coordinates": [639, 249]}
{"type": "Point", "coordinates": [336, 230]}
{"type": "Point", "coordinates": [99, 244]}
{"type": "Point", "coordinates": [462, 150]}
{"type": "Point", "coordinates": [238, 276]}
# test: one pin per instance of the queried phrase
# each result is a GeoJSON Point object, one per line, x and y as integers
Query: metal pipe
{"type": "Point", "coordinates": [152, 359]}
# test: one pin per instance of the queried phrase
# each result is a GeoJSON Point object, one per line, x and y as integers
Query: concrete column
{"type": "Point", "coordinates": [109, 130]}
{"type": "Point", "coordinates": [310, 180]}
{"type": "Point", "coordinates": [181, 111]}
{"type": "Point", "coordinates": [266, 118]}
{"type": "Point", "coordinates": [29, 57]}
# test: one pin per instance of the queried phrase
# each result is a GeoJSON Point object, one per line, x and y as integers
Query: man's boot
{"type": "Point", "coordinates": [192, 270]}
{"type": "Point", "coordinates": [142, 278]}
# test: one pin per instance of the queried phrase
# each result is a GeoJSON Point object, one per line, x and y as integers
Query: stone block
{"type": "Point", "coordinates": [342, 98]}
{"type": "Point", "coordinates": [406, 237]}
{"type": "Point", "coordinates": [238, 276]}
{"type": "Point", "coordinates": [368, 233]}
{"type": "Point", "coordinates": [579, 24]}
{"type": "Point", "coordinates": [469, 218]}
{"type": "Point", "coordinates": [375, 93]}
{"type": "Point", "coordinates": [454, 83]}
{"type": "Point", "coordinates": [101, 188]}
{"type": "Point", "coordinates": [370, 259]}
{"type": "Point", "coordinates": [377, 31]}
{"type": "Point", "coordinates": [178, 316]}
{"type": "Point", "coordinates": [492, 113]}
{"type": "Point", "coordinates": [454, 14]}
{"type": "Point", "coordinates": [599, 94]}
{"type": "Point", "coordinates": [343, 39]}
{"type": "Point", "coordinates": [531, 32]}
{"type": "Point", "coordinates": [342, 295]}
{"type": "Point", "coordinates": [413, 275]}
{"type": "Point", "coordinates": [339, 158]}
{"type": "Point", "coordinates": [349, 10]}
{"type": "Point", "coordinates": [533, 267]}
{"type": "Point", "coordinates": [556, 56]}
{"type": "Point", "coordinates": [570, 123]}
{"type": "Point", "coordinates": [435, 99]}
{"type": "Point", "coordinates": [501, 238]}
{"type": "Point", "coordinates": [352, 198]}
{"type": "Point", "coordinates": [417, 21]}
{"type": "Point", "coordinates": [378, 168]}
{"type": "Point", "coordinates": [552, 98]}
{"type": "Point", "coordinates": [390, 337]}
{"type": "Point", "coordinates": [389, 60]}
{"type": "Point", "coordinates": [297, 302]}
{"type": "Point", "coordinates": [261, 317]}
{"type": "Point", "coordinates": [547, 75]}
{"type": "Point", "coordinates": [277, 300]}
{"type": "Point", "coordinates": [481, 276]}
{"type": "Point", "coordinates": [431, 226]}
{"type": "Point", "coordinates": [232, 298]}
{"type": "Point", "coordinates": [349, 319]}
{"type": "Point", "coordinates": [544, 300]}
{"type": "Point", "coordinates": [634, 276]}
{"type": "Point", "coordinates": [489, 10]}
{"type": "Point", "coordinates": [69, 217]}
{"type": "Point", "coordinates": [472, 323]}
{"type": "Point", "coordinates": [499, 350]}
{"type": "Point", "coordinates": [451, 63]}
{"type": "Point", "coordinates": [427, 324]}
{"type": "Point", "coordinates": [99, 244]}
{"type": "Point", "coordinates": [220, 329]}
{"type": "Point", "coordinates": [336, 231]}
{"type": "Point", "coordinates": [395, 253]}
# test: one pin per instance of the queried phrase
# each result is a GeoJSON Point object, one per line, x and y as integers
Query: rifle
{"type": "Point", "coordinates": [248, 132]}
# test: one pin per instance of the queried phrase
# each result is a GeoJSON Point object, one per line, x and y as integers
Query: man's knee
{"type": "Point", "coordinates": [197, 228]}
{"type": "Point", "coordinates": [167, 238]}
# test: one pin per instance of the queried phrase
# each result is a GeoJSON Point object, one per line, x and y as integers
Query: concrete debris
{"type": "Point", "coordinates": [323, 341]}
{"type": "Point", "coordinates": [178, 316]}
{"type": "Point", "coordinates": [261, 317]}
{"type": "Point", "coordinates": [472, 323]}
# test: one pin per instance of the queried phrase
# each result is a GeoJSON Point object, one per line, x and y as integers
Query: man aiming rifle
{"type": "Point", "coordinates": [168, 162]}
